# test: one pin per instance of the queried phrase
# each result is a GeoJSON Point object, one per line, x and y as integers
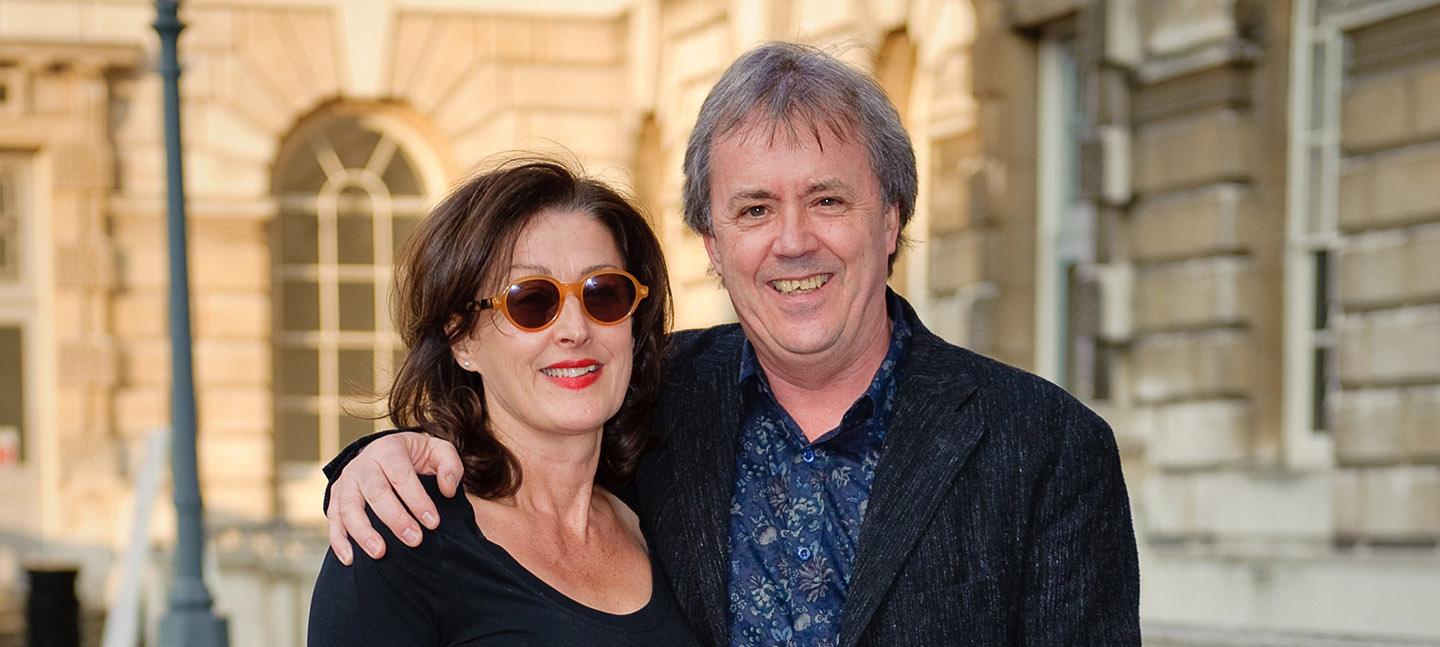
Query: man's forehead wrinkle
{"type": "Point", "coordinates": [768, 118]}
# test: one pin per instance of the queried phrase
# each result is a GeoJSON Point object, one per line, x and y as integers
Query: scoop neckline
{"type": "Point", "coordinates": [647, 616]}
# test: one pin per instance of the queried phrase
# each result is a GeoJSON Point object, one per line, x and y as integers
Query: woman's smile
{"type": "Point", "coordinates": [573, 374]}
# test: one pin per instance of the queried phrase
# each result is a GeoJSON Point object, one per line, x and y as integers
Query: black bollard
{"type": "Point", "coordinates": [52, 612]}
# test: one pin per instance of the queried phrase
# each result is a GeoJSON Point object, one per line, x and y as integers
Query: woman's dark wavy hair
{"type": "Point", "coordinates": [463, 249]}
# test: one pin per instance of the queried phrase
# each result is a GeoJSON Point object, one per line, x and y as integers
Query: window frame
{"type": "Point", "coordinates": [1318, 51]}
{"type": "Point", "coordinates": [1066, 226]}
{"type": "Point", "coordinates": [19, 305]}
{"type": "Point", "coordinates": [329, 339]}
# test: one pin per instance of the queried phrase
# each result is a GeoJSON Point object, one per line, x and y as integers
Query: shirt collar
{"type": "Point", "coordinates": [900, 333]}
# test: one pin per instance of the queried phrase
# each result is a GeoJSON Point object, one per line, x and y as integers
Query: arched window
{"type": "Point", "coordinates": [349, 193]}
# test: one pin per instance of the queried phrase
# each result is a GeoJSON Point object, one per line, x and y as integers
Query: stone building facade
{"type": "Point", "coordinates": [1217, 221]}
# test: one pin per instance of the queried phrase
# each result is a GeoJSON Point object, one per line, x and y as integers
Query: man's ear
{"type": "Point", "coordinates": [714, 255]}
{"type": "Point", "coordinates": [892, 228]}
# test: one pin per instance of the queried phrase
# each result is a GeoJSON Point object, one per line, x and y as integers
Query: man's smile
{"type": "Point", "coordinates": [801, 285]}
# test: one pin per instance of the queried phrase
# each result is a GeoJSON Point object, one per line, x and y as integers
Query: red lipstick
{"type": "Point", "coordinates": [570, 377]}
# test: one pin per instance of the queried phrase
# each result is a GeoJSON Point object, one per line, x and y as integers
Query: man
{"type": "Point", "coordinates": [836, 474]}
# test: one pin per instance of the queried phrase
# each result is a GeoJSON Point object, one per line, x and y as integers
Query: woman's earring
{"type": "Point", "coordinates": [465, 363]}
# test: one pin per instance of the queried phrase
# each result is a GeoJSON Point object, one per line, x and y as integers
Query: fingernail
{"type": "Point", "coordinates": [411, 536]}
{"type": "Point", "coordinates": [428, 518]}
{"type": "Point", "coordinates": [346, 557]}
{"type": "Point", "coordinates": [373, 547]}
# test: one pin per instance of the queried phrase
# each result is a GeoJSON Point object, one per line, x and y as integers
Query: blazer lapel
{"type": "Point", "coordinates": [926, 445]}
{"type": "Point", "coordinates": [704, 446]}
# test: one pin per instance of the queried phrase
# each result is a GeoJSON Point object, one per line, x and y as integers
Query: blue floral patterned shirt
{"type": "Point", "coordinates": [796, 513]}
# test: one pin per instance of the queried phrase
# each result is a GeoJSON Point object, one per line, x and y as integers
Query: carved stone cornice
{"type": "Point", "coordinates": [84, 57]}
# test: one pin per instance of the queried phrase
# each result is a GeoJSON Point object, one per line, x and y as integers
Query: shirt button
{"type": "Point", "coordinates": [808, 456]}
{"type": "Point", "coordinates": [803, 553]}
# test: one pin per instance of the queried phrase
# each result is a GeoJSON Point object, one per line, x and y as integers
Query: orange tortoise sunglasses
{"type": "Point", "coordinates": [532, 303]}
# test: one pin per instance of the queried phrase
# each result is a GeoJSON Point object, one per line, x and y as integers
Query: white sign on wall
{"type": "Point", "coordinates": [9, 445]}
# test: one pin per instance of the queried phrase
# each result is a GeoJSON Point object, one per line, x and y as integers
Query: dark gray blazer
{"type": "Point", "coordinates": [998, 515]}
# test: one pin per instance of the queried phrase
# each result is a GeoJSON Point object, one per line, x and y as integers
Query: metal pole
{"type": "Point", "coordinates": [188, 620]}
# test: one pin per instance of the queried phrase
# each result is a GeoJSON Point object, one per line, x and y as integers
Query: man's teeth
{"type": "Point", "coordinates": [786, 286]}
{"type": "Point", "coordinates": [570, 372]}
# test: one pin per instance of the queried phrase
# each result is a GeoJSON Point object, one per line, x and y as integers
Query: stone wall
{"type": "Point", "coordinates": [57, 118]}
{"type": "Point", "coordinates": [1240, 527]}
{"type": "Point", "coordinates": [1387, 413]}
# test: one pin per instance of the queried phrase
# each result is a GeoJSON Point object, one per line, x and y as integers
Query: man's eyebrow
{"type": "Point", "coordinates": [828, 184]}
{"type": "Point", "coordinates": [750, 194]}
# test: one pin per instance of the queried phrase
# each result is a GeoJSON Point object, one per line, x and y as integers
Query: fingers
{"type": "Point", "coordinates": [444, 460]}
{"type": "Point", "coordinates": [348, 504]}
{"type": "Point", "coordinates": [402, 478]}
{"type": "Point", "coordinates": [339, 541]}
{"type": "Point", "coordinates": [375, 486]}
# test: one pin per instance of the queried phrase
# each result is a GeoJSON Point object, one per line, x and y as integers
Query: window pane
{"type": "Point", "coordinates": [356, 238]}
{"type": "Point", "coordinates": [1316, 198]}
{"type": "Point", "coordinates": [1322, 289]}
{"type": "Point", "coordinates": [12, 395]}
{"type": "Point", "coordinates": [352, 142]}
{"type": "Point", "coordinates": [400, 176]}
{"type": "Point", "coordinates": [303, 174]}
{"type": "Point", "coordinates": [357, 306]}
{"type": "Point", "coordinates": [300, 305]}
{"type": "Point", "coordinates": [298, 239]}
{"type": "Point", "coordinates": [357, 372]}
{"type": "Point", "coordinates": [299, 371]}
{"type": "Point", "coordinates": [298, 439]}
{"type": "Point", "coordinates": [1318, 87]}
{"type": "Point", "coordinates": [1321, 391]}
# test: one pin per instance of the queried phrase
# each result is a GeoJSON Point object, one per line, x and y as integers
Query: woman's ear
{"type": "Point", "coordinates": [462, 356]}
{"type": "Point", "coordinates": [460, 349]}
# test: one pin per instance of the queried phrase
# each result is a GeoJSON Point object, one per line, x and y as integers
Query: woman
{"type": "Point", "coordinates": [534, 304]}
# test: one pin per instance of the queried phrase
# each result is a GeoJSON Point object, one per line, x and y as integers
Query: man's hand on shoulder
{"type": "Point", "coordinates": [383, 475]}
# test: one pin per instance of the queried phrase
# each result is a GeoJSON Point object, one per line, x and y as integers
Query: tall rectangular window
{"type": "Point", "coordinates": [1067, 345]}
{"type": "Point", "coordinates": [17, 307]}
{"type": "Point", "coordinates": [1313, 233]}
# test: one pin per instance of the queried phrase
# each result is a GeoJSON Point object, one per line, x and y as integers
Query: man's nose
{"type": "Point", "coordinates": [797, 234]}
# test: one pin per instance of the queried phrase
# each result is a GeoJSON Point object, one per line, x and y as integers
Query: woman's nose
{"type": "Point", "coordinates": [571, 324]}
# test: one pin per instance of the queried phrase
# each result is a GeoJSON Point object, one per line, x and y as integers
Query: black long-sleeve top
{"type": "Point", "coordinates": [459, 588]}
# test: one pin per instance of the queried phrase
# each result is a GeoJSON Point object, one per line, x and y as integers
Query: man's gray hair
{"type": "Point", "coordinates": [794, 85]}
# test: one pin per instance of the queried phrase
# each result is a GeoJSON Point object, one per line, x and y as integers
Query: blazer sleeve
{"type": "Point", "coordinates": [1083, 582]}
{"type": "Point", "coordinates": [396, 600]}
